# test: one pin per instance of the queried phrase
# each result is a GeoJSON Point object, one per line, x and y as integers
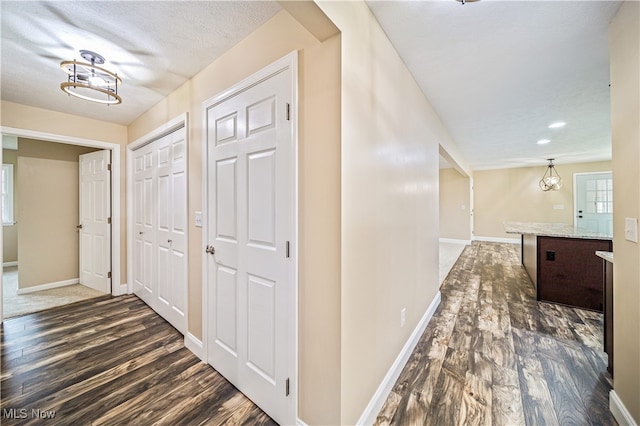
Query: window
{"type": "Point", "coordinates": [7, 195]}
{"type": "Point", "coordinates": [600, 196]}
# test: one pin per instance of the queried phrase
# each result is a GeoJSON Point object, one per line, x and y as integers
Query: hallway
{"type": "Point", "coordinates": [493, 355]}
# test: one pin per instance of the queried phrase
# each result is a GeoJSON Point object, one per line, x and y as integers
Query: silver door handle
{"type": "Point", "coordinates": [210, 250]}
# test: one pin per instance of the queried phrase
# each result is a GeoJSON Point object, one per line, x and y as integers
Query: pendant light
{"type": "Point", "coordinates": [551, 181]}
{"type": "Point", "coordinates": [88, 81]}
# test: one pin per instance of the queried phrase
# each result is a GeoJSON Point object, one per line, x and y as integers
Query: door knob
{"type": "Point", "coordinates": [79, 226]}
{"type": "Point", "coordinates": [140, 233]}
{"type": "Point", "coordinates": [169, 241]}
{"type": "Point", "coordinates": [210, 250]}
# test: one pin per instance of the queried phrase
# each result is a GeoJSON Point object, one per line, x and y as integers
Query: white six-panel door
{"type": "Point", "coordinates": [250, 227]}
{"type": "Point", "coordinates": [160, 226]}
{"type": "Point", "coordinates": [95, 226]}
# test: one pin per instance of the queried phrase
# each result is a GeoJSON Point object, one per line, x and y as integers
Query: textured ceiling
{"type": "Point", "coordinates": [499, 72]}
{"type": "Point", "coordinates": [155, 46]}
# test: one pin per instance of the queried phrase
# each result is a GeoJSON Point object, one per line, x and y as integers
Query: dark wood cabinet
{"type": "Point", "coordinates": [608, 313]}
{"type": "Point", "coordinates": [570, 273]}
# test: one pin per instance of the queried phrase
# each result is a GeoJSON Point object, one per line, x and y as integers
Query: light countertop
{"type": "Point", "coordinates": [606, 255]}
{"type": "Point", "coordinates": [561, 230]}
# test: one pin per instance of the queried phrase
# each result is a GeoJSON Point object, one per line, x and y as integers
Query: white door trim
{"type": "Point", "coordinates": [288, 61]}
{"type": "Point", "coordinates": [116, 287]}
{"type": "Point", "coordinates": [176, 123]}
{"type": "Point", "coordinates": [575, 186]}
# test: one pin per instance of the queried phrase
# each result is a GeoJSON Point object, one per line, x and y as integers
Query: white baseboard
{"type": "Point", "coordinates": [370, 413]}
{"type": "Point", "coordinates": [454, 241]}
{"type": "Point", "coordinates": [300, 423]}
{"type": "Point", "coordinates": [8, 264]}
{"type": "Point", "coordinates": [619, 411]}
{"type": "Point", "coordinates": [119, 290]}
{"type": "Point", "coordinates": [48, 286]}
{"type": "Point", "coordinates": [192, 343]}
{"type": "Point", "coordinates": [497, 240]}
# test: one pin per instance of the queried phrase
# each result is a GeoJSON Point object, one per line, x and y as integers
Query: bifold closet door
{"type": "Point", "coordinates": [171, 229]}
{"type": "Point", "coordinates": [160, 230]}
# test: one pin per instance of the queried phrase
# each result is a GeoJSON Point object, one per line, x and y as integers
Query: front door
{"type": "Point", "coordinates": [250, 181]}
{"type": "Point", "coordinates": [594, 202]}
{"type": "Point", "coordinates": [95, 220]}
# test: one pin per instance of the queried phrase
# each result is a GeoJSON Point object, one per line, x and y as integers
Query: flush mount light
{"type": "Point", "coordinates": [551, 180]}
{"type": "Point", "coordinates": [557, 125]}
{"type": "Point", "coordinates": [543, 141]}
{"type": "Point", "coordinates": [90, 82]}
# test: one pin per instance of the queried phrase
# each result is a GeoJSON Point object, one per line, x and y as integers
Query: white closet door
{"type": "Point", "coordinates": [160, 228]}
{"type": "Point", "coordinates": [250, 213]}
{"type": "Point", "coordinates": [144, 223]}
{"type": "Point", "coordinates": [171, 228]}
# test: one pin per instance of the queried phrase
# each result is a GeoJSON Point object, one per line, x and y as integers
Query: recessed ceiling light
{"type": "Point", "coordinates": [543, 141]}
{"type": "Point", "coordinates": [557, 125]}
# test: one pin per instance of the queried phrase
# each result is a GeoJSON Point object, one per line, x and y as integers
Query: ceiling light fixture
{"type": "Point", "coordinates": [543, 141]}
{"type": "Point", "coordinates": [557, 125]}
{"type": "Point", "coordinates": [90, 82]}
{"type": "Point", "coordinates": [551, 180]}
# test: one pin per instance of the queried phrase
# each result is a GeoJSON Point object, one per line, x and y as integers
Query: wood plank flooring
{"type": "Point", "coordinates": [493, 355]}
{"type": "Point", "coordinates": [111, 361]}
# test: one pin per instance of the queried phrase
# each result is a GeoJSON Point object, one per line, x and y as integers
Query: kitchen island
{"type": "Point", "coordinates": [561, 262]}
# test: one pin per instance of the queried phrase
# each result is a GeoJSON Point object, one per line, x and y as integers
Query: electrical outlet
{"type": "Point", "coordinates": [403, 317]}
{"type": "Point", "coordinates": [631, 229]}
{"type": "Point", "coordinates": [199, 219]}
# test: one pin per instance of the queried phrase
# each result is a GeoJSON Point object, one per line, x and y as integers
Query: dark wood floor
{"type": "Point", "coordinates": [493, 355]}
{"type": "Point", "coordinates": [111, 361]}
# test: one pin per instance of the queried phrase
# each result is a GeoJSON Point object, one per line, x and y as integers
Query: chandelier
{"type": "Point", "coordinates": [88, 81]}
{"type": "Point", "coordinates": [551, 179]}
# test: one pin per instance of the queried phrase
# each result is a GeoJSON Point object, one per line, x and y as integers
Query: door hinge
{"type": "Point", "coordinates": [109, 220]}
{"type": "Point", "coordinates": [109, 167]}
{"type": "Point", "coordinates": [286, 391]}
{"type": "Point", "coordinates": [288, 111]}
{"type": "Point", "coordinates": [287, 252]}
{"type": "Point", "coordinates": [109, 274]}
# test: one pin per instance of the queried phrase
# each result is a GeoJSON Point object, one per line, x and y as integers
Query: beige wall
{"type": "Point", "coordinates": [10, 233]}
{"type": "Point", "coordinates": [29, 118]}
{"type": "Point", "coordinates": [319, 233]}
{"type": "Point", "coordinates": [390, 162]}
{"type": "Point", "coordinates": [625, 124]}
{"type": "Point", "coordinates": [319, 192]}
{"type": "Point", "coordinates": [455, 219]}
{"type": "Point", "coordinates": [513, 195]}
{"type": "Point", "coordinates": [43, 120]}
{"type": "Point", "coordinates": [47, 196]}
